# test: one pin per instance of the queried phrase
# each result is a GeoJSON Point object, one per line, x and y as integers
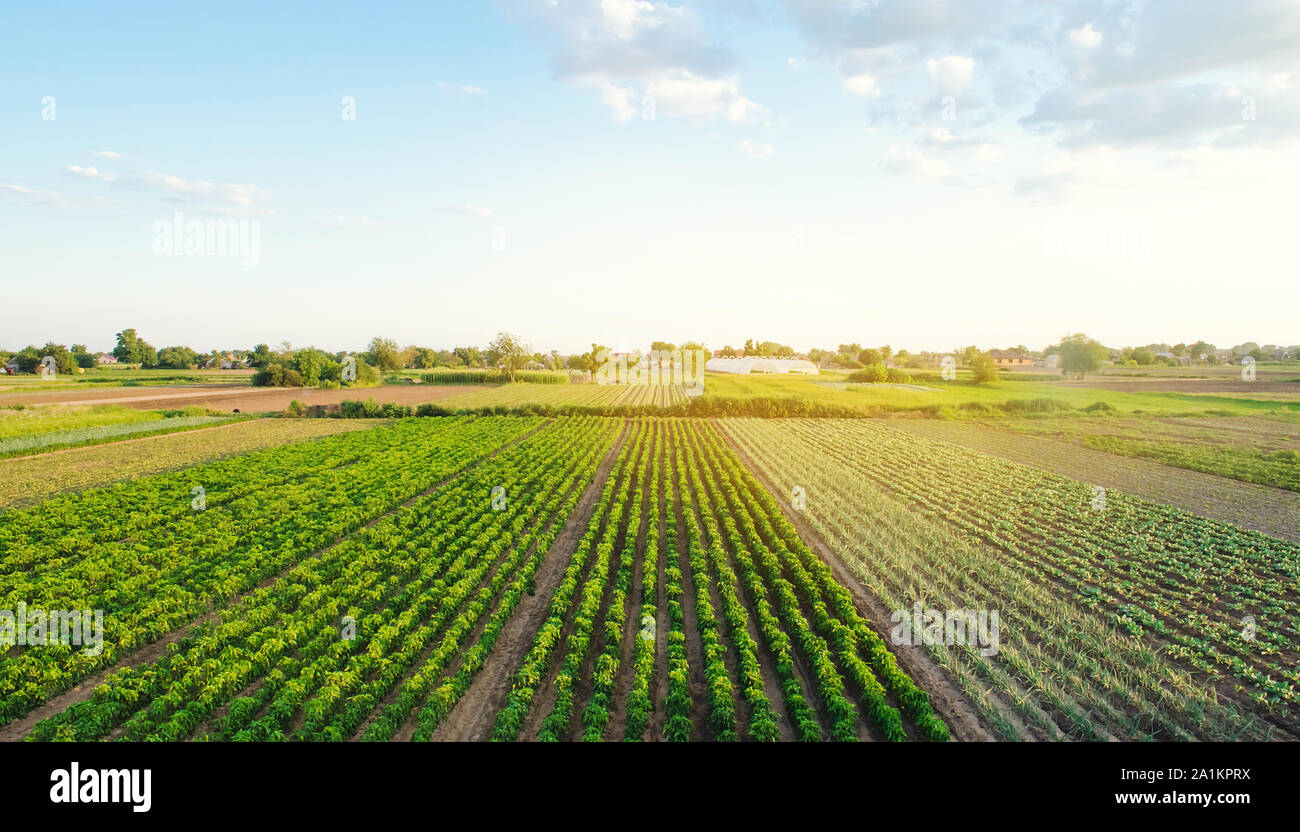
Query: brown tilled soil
{"type": "Point", "coordinates": [244, 399]}
{"type": "Point", "coordinates": [474, 714]}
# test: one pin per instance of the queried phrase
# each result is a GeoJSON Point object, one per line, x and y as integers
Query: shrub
{"type": "Point", "coordinates": [1035, 406]}
{"type": "Point", "coordinates": [983, 368]}
{"type": "Point", "coordinates": [872, 374]}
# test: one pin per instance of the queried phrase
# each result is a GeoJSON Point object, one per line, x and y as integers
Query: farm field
{"type": "Point", "coordinates": [1120, 620]}
{"type": "Point", "coordinates": [632, 583]}
{"type": "Point", "coordinates": [111, 377]}
{"type": "Point", "coordinates": [587, 578]}
{"type": "Point", "coordinates": [245, 399]}
{"type": "Point", "coordinates": [1270, 510]}
{"type": "Point", "coordinates": [964, 398]}
{"type": "Point", "coordinates": [1251, 449]}
{"type": "Point", "coordinates": [559, 395]}
{"type": "Point", "coordinates": [20, 420]}
{"type": "Point", "coordinates": [39, 435]}
{"type": "Point", "coordinates": [30, 479]}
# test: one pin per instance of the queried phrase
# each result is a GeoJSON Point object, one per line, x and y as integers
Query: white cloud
{"type": "Point", "coordinates": [340, 221]}
{"type": "Point", "coordinates": [108, 154]}
{"type": "Point", "coordinates": [941, 135]}
{"type": "Point", "coordinates": [690, 96]}
{"type": "Point", "coordinates": [476, 210]}
{"type": "Point", "coordinates": [794, 63]}
{"type": "Point", "coordinates": [28, 196]}
{"type": "Point", "coordinates": [467, 89]}
{"type": "Point", "coordinates": [1172, 115]}
{"type": "Point", "coordinates": [989, 153]}
{"type": "Point", "coordinates": [743, 111]}
{"type": "Point", "coordinates": [951, 74]}
{"type": "Point", "coordinates": [241, 195]}
{"type": "Point", "coordinates": [912, 162]}
{"type": "Point", "coordinates": [863, 85]}
{"type": "Point", "coordinates": [625, 19]}
{"type": "Point", "coordinates": [1085, 37]}
{"type": "Point", "coordinates": [757, 150]}
{"type": "Point", "coordinates": [628, 48]}
{"type": "Point", "coordinates": [90, 173]}
{"type": "Point", "coordinates": [618, 100]}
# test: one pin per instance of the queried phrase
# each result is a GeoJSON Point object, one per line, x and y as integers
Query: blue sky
{"type": "Point", "coordinates": [925, 174]}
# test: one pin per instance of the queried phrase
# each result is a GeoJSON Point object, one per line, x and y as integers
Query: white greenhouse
{"type": "Point", "coordinates": [762, 365]}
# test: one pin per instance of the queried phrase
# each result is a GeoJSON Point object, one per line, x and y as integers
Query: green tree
{"type": "Point", "coordinates": [28, 359]}
{"type": "Point", "coordinates": [469, 356]}
{"type": "Point", "coordinates": [510, 352]}
{"type": "Point", "coordinates": [83, 358]}
{"type": "Point", "coordinates": [423, 358]}
{"type": "Point", "coordinates": [384, 354]}
{"type": "Point", "coordinates": [310, 363]}
{"type": "Point", "coordinates": [870, 357]}
{"type": "Point", "coordinates": [261, 356]}
{"type": "Point", "coordinates": [63, 361]}
{"type": "Point", "coordinates": [591, 361]}
{"type": "Point", "coordinates": [1081, 354]}
{"type": "Point", "coordinates": [132, 349]}
{"type": "Point", "coordinates": [177, 358]}
{"type": "Point", "coordinates": [984, 368]}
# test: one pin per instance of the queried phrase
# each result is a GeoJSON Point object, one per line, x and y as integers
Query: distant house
{"type": "Point", "coordinates": [1010, 358]}
{"type": "Point", "coordinates": [105, 358]}
{"type": "Point", "coordinates": [225, 362]}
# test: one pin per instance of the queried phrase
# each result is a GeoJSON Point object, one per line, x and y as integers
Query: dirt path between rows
{"type": "Point", "coordinates": [472, 717]}
{"type": "Point", "coordinates": [631, 613]}
{"type": "Point", "coordinates": [21, 727]}
{"type": "Point", "coordinates": [963, 719]}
